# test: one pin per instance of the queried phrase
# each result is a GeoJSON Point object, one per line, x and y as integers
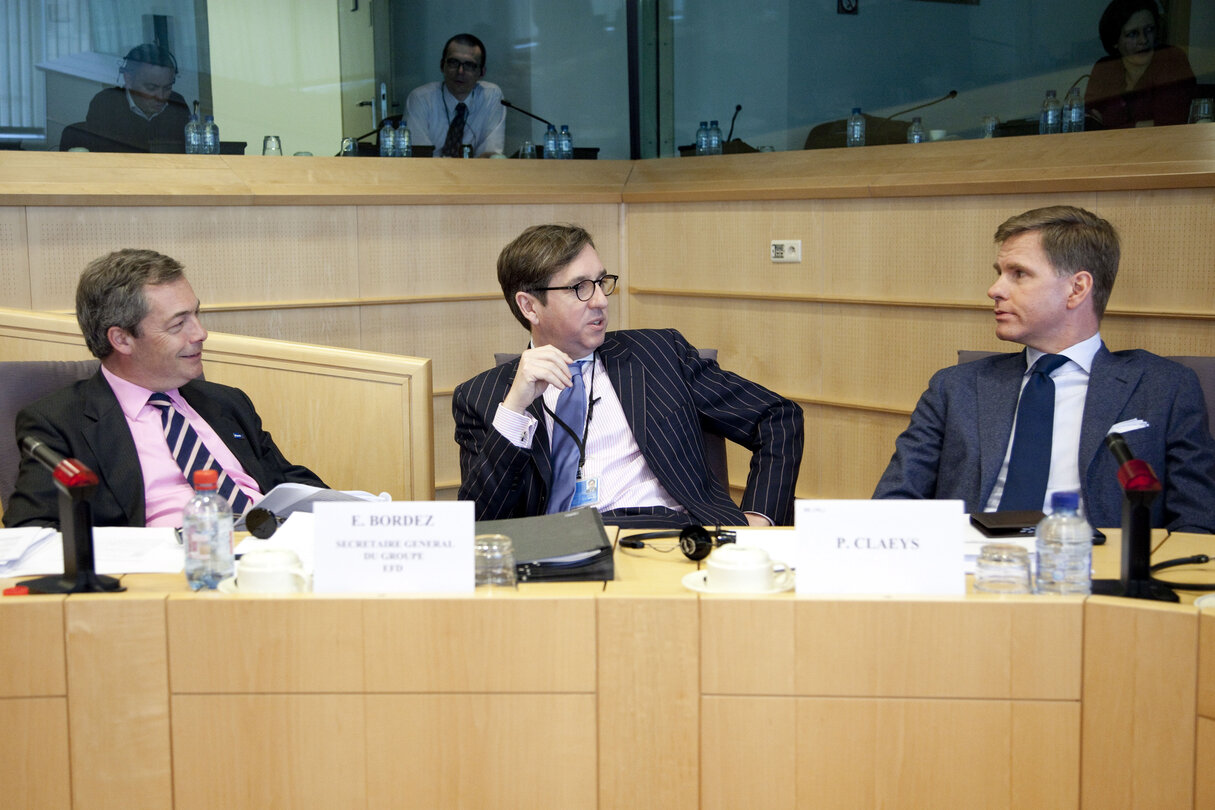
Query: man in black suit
{"type": "Point", "coordinates": [646, 394]}
{"type": "Point", "coordinates": [139, 315]}
{"type": "Point", "coordinates": [144, 115]}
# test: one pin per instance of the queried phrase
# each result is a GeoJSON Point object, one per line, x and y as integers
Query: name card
{"type": "Point", "coordinates": [394, 547]}
{"type": "Point", "coordinates": [880, 547]}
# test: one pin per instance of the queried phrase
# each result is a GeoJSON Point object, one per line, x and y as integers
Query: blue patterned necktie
{"type": "Point", "coordinates": [192, 455]}
{"type": "Point", "coordinates": [1029, 465]}
{"type": "Point", "coordinates": [455, 132]}
{"type": "Point", "coordinates": [571, 410]}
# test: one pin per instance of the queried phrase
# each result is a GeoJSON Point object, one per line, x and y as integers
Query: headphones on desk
{"type": "Point", "coordinates": [694, 541]}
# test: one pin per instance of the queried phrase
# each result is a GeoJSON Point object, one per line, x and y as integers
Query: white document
{"type": "Point", "coordinates": [394, 547]}
{"type": "Point", "coordinates": [286, 499]}
{"type": "Point", "coordinates": [18, 545]}
{"type": "Point", "coordinates": [880, 547]}
{"type": "Point", "coordinates": [116, 550]}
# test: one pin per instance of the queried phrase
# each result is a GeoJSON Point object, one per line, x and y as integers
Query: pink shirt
{"type": "Point", "coordinates": [165, 490]}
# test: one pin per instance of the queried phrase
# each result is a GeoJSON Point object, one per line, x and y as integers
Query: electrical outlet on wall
{"type": "Point", "coordinates": [786, 250]}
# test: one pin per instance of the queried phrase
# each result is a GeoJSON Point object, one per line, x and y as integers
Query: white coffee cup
{"type": "Point", "coordinates": [732, 568]}
{"type": "Point", "coordinates": [270, 570]}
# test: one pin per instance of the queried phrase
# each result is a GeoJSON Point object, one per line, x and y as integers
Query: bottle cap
{"type": "Point", "coordinates": [856, 110]}
{"type": "Point", "coordinates": [1065, 501]}
{"type": "Point", "coordinates": [205, 479]}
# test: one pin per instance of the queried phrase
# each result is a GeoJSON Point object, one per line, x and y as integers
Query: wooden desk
{"type": "Point", "coordinates": [640, 694]}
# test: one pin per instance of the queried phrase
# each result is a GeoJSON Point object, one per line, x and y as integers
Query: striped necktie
{"type": "Point", "coordinates": [192, 455]}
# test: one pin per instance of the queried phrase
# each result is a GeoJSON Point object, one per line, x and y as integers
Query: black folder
{"type": "Point", "coordinates": [563, 547]}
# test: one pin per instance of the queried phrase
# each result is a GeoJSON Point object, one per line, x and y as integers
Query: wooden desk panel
{"type": "Point", "coordinates": [1140, 676]}
{"type": "Point", "coordinates": [34, 753]}
{"type": "Point", "coordinates": [118, 701]}
{"type": "Point", "coordinates": [480, 751]}
{"type": "Point", "coordinates": [31, 647]}
{"type": "Point", "coordinates": [250, 752]}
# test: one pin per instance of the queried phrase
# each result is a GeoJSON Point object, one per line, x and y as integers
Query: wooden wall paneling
{"type": "Point", "coordinates": [249, 752]}
{"type": "Point", "coordinates": [231, 254]}
{"type": "Point", "coordinates": [926, 753]}
{"type": "Point", "coordinates": [1168, 248]}
{"type": "Point", "coordinates": [846, 452]}
{"type": "Point", "coordinates": [447, 452]}
{"type": "Point", "coordinates": [1161, 335]}
{"type": "Point", "coordinates": [264, 644]}
{"type": "Point", "coordinates": [118, 702]}
{"type": "Point", "coordinates": [326, 326]}
{"type": "Point", "coordinates": [31, 647]}
{"type": "Point", "coordinates": [14, 258]}
{"type": "Point", "coordinates": [34, 750]}
{"type": "Point", "coordinates": [480, 645]}
{"type": "Point", "coordinates": [446, 249]}
{"type": "Point", "coordinates": [1139, 707]}
{"type": "Point", "coordinates": [480, 751]}
{"type": "Point", "coordinates": [649, 696]}
{"type": "Point", "coordinates": [736, 658]}
{"type": "Point", "coordinates": [937, 648]}
{"type": "Point", "coordinates": [749, 753]}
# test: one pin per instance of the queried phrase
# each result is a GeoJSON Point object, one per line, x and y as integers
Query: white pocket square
{"type": "Point", "coordinates": [1128, 426]}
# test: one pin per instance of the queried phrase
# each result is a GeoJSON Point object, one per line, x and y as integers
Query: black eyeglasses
{"type": "Point", "coordinates": [454, 64]}
{"type": "Point", "coordinates": [586, 288]}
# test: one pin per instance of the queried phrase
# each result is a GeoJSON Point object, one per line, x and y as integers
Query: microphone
{"type": "Point", "coordinates": [737, 110]}
{"type": "Point", "coordinates": [506, 103]}
{"type": "Point", "coordinates": [70, 472]}
{"type": "Point", "coordinates": [262, 523]}
{"type": "Point", "coordinates": [946, 97]}
{"type": "Point", "coordinates": [1134, 475]}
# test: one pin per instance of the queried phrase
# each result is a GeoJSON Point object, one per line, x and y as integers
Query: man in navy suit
{"type": "Point", "coordinates": [139, 316]}
{"type": "Point", "coordinates": [1055, 270]}
{"type": "Point", "coordinates": [640, 451]}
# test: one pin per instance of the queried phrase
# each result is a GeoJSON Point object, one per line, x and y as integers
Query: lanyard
{"type": "Point", "coordinates": [590, 411]}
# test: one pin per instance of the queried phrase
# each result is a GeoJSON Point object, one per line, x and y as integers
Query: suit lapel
{"type": "Point", "coordinates": [109, 438]}
{"type": "Point", "coordinates": [1110, 385]}
{"type": "Point", "coordinates": [628, 380]}
{"type": "Point", "coordinates": [997, 388]}
{"type": "Point", "coordinates": [225, 427]}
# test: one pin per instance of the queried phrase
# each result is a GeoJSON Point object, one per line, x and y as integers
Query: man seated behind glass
{"type": "Point", "coordinates": [144, 115]}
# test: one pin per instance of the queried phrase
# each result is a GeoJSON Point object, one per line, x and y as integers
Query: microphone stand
{"type": "Point", "coordinates": [1140, 486]}
{"type": "Point", "coordinates": [76, 484]}
{"type": "Point", "coordinates": [506, 103]}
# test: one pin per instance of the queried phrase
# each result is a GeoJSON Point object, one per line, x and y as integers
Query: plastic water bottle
{"type": "Point", "coordinates": [194, 133]}
{"type": "Point", "coordinates": [403, 143]}
{"type": "Point", "coordinates": [1073, 111]}
{"type": "Point", "coordinates": [1051, 119]}
{"type": "Point", "coordinates": [210, 136]}
{"type": "Point", "coordinates": [915, 133]}
{"type": "Point", "coordinates": [715, 139]}
{"type": "Point", "coordinates": [1065, 548]}
{"type": "Point", "coordinates": [856, 128]}
{"type": "Point", "coordinates": [702, 138]}
{"type": "Point", "coordinates": [207, 534]}
{"type": "Point", "coordinates": [550, 143]}
{"type": "Point", "coordinates": [565, 143]}
{"type": "Point", "coordinates": [388, 139]}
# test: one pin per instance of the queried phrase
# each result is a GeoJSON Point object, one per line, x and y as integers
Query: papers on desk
{"type": "Point", "coordinates": [116, 549]}
{"type": "Point", "coordinates": [288, 499]}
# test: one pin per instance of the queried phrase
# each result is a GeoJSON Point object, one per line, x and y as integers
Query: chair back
{"type": "Point", "coordinates": [23, 382]}
{"type": "Point", "coordinates": [715, 443]}
{"type": "Point", "coordinates": [1204, 367]}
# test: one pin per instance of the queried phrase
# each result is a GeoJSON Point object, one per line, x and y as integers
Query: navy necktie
{"type": "Point", "coordinates": [455, 132]}
{"type": "Point", "coordinates": [1029, 465]}
{"type": "Point", "coordinates": [571, 410]}
{"type": "Point", "coordinates": [192, 455]}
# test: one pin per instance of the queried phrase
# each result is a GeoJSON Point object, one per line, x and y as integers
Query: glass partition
{"type": "Point", "coordinates": [632, 78]}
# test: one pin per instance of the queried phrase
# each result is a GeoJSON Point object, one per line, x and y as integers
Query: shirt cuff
{"type": "Point", "coordinates": [517, 428]}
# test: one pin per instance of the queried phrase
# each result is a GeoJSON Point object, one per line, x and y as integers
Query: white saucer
{"type": "Point", "coordinates": [696, 581]}
{"type": "Point", "coordinates": [227, 585]}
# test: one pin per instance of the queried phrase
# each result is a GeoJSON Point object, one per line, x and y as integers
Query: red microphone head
{"type": "Point", "coordinates": [74, 475]}
{"type": "Point", "coordinates": [1137, 475]}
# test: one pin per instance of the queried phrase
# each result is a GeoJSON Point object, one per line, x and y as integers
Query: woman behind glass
{"type": "Point", "coordinates": [1142, 82]}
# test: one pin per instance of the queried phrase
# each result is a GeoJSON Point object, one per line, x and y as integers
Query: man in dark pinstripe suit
{"type": "Point", "coordinates": [648, 392]}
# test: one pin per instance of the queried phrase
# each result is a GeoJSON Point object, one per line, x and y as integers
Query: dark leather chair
{"type": "Point", "coordinates": [21, 383]}
{"type": "Point", "coordinates": [715, 444]}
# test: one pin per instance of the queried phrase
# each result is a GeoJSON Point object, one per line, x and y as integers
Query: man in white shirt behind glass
{"type": "Point", "coordinates": [461, 109]}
